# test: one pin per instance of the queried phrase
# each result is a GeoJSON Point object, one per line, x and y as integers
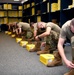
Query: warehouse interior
{"type": "Point", "coordinates": [16, 60]}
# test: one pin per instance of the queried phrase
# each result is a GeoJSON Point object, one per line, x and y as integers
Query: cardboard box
{"type": "Point", "coordinates": [54, 7]}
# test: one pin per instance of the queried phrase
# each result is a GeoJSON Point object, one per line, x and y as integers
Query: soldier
{"type": "Point", "coordinates": [23, 29]}
{"type": "Point", "coordinates": [36, 32]}
{"type": "Point", "coordinates": [51, 32]}
{"type": "Point", "coordinates": [10, 28]}
{"type": "Point", "coordinates": [67, 31]}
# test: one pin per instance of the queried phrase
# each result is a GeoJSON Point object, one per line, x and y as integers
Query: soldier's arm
{"type": "Point", "coordinates": [35, 33]}
{"type": "Point", "coordinates": [20, 30]}
{"type": "Point", "coordinates": [61, 51]}
{"type": "Point", "coordinates": [46, 33]}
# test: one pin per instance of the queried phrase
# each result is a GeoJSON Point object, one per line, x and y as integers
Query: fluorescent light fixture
{"type": "Point", "coordinates": [23, 1]}
{"type": "Point", "coordinates": [16, 0]}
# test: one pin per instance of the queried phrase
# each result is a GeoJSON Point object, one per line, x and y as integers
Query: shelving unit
{"type": "Point", "coordinates": [57, 11]}
{"type": "Point", "coordinates": [10, 12]}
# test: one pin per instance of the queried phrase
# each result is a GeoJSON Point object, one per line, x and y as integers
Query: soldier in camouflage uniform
{"type": "Point", "coordinates": [67, 31]}
{"type": "Point", "coordinates": [36, 32]}
{"type": "Point", "coordinates": [10, 28]}
{"type": "Point", "coordinates": [23, 29]}
{"type": "Point", "coordinates": [51, 33]}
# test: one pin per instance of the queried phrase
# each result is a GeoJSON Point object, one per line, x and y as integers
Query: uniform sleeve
{"type": "Point", "coordinates": [49, 25]}
{"type": "Point", "coordinates": [35, 27]}
{"type": "Point", "coordinates": [62, 34]}
{"type": "Point", "coordinates": [19, 25]}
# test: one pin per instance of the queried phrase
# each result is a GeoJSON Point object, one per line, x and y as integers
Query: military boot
{"type": "Point", "coordinates": [29, 41]}
{"type": "Point", "coordinates": [57, 60]}
{"type": "Point", "coordinates": [24, 38]}
{"type": "Point", "coordinates": [45, 51]}
{"type": "Point", "coordinates": [71, 72]}
{"type": "Point", "coordinates": [37, 47]}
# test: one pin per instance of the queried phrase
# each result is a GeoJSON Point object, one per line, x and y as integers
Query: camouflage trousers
{"type": "Point", "coordinates": [27, 34]}
{"type": "Point", "coordinates": [72, 45]}
{"type": "Point", "coordinates": [52, 40]}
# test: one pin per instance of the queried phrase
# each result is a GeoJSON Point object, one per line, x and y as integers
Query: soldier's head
{"type": "Point", "coordinates": [72, 25]}
{"type": "Point", "coordinates": [15, 25]}
{"type": "Point", "coordinates": [32, 24]}
{"type": "Point", "coordinates": [41, 25]}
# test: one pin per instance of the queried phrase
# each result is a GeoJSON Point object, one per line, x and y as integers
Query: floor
{"type": "Point", "coordinates": [16, 60]}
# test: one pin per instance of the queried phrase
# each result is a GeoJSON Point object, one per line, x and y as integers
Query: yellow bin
{"type": "Point", "coordinates": [18, 40]}
{"type": "Point", "coordinates": [30, 46]}
{"type": "Point", "coordinates": [13, 35]}
{"type": "Point", "coordinates": [23, 43]}
{"type": "Point", "coordinates": [6, 32]}
{"type": "Point", "coordinates": [9, 33]}
{"type": "Point", "coordinates": [45, 58]}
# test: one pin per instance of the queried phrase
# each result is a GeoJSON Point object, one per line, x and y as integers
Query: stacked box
{"type": "Point", "coordinates": [20, 7]}
{"type": "Point", "coordinates": [5, 6]}
{"type": "Point", "coordinates": [25, 6]}
{"type": "Point", "coordinates": [1, 13]}
{"type": "Point", "coordinates": [54, 7]}
{"type": "Point", "coordinates": [70, 6]}
{"type": "Point", "coordinates": [28, 5]}
{"type": "Point", "coordinates": [45, 58]}
{"type": "Point", "coordinates": [5, 13]}
{"type": "Point", "coordinates": [38, 18]}
{"type": "Point", "coordinates": [33, 3]}
{"type": "Point", "coordinates": [59, 4]}
{"type": "Point", "coordinates": [1, 21]}
{"type": "Point", "coordinates": [73, 2]}
{"type": "Point", "coordinates": [5, 20]}
{"type": "Point", "coordinates": [9, 6]}
{"type": "Point", "coordinates": [20, 14]}
{"type": "Point", "coordinates": [33, 11]}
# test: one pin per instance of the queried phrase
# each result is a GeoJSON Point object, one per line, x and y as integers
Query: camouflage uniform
{"type": "Point", "coordinates": [39, 31]}
{"type": "Point", "coordinates": [52, 39]}
{"type": "Point", "coordinates": [66, 33]}
{"type": "Point", "coordinates": [25, 29]}
{"type": "Point", "coordinates": [72, 44]}
{"type": "Point", "coordinates": [10, 28]}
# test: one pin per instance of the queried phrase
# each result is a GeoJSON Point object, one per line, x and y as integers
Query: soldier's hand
{"type": "Point", "coordinates": [69, 64]}
{"type": "Point", "coordinates": [37, 39]}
